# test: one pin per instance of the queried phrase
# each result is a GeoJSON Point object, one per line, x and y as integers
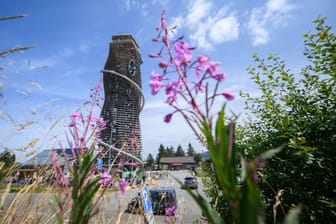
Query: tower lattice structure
{"type": "Point", "coordinates": [123, 99]}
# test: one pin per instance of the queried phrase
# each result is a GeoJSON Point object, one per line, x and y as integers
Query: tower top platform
{"type": "Point", "coordinates": [125, 38]}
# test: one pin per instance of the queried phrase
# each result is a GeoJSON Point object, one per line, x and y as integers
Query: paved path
{"type": "Point", "coordinates": [188, 210]}
{"type": "Point", "coordinates": [114, 204]}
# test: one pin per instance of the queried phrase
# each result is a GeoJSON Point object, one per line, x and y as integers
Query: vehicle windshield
{"type": "Point", "coordinates": [162, 195]}
{"type": "Point", "coordinates": [157, 196]}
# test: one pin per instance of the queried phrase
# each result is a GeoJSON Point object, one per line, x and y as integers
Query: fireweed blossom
{"type": "Point", "coordinates": [185, 81]}
{"type": "Point", "coordinates": [193, 89]}
{"type": "Point", "coordinates": [155, 83]}
{"type": "Point", "coordinates": [96, 122]}
{"type": "Point", "coordinates": [82, 135]}
{"type": "Point", "coordinates": [122, 186]}
{"type": "Point", "coordinates": [171, 215]}
{"type": "Point", "coordinates": [170, 211]}
{"type": "Point", "coordinates": [183, 53]}
{"type": "Point", "coordinates": [168, 117]}
{"type": "Point", "coordinates": [229, 95]}
{"type": "Point", "coordinates": [105, 179]}
{"type": "Point", "coordinates": [84, 129]}
{"type": "Point", "coordinates": [74, 118]}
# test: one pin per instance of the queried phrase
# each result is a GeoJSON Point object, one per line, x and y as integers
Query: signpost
{"type": "Point", "coordinates": [100, 164]}
{"type": "Point", "coordinates": [147, 204]}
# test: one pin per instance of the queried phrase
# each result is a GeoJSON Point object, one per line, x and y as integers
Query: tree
{"type": "Point", "coordinates": [7, 157]}
{"type": "Point", "coordinates": [179, 151]}
{"type": "Point", "coordinates": [302, 114]}
{"type": "Point", "coordinates": [197, 157]}
{"type": "Point", "coordinates": [162, 153]}
{"type": "Point", "coordinates": [150, 161]}
{"type": "Point", "coordinates": [170, 151]}
{"type": "Point", "coordinates": [190, 150]}
{"type": "Point", "coordinates": [7, 163]}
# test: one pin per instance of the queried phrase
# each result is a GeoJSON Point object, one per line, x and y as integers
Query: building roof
{"type": "Point", "coordinates": [179, 159]}
{"type": "Point", "coordinates": [44, 159]}
{"type": "Point", "coordinates": [41, 158]}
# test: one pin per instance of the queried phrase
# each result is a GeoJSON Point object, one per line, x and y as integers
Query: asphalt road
{"type": "Point", "coordinates": [188, 210]}
{"type": "Point", "coordinates": [114, 204]}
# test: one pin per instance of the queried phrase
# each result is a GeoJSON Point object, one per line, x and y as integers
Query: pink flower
{"type": "Point", "coordinates": [171, 99]}
{"type": "Point", "coordinates": [154, 55]}
{"type": "Point", "coordinates": [122, 186]}
{"type": "Point", "coordinates": [170, 211]}
{"type": "Point", "coordinates": [202, 59]}
{"type": "Point", "coordinates": [211, 67]}
{"type": "Point", "coordinates": [163, 64]}
{"type": "Point", "coordinates": [197, 72]}
{"type": "Point", "coordinates": [183, 53]}
{"type": "Point", "coordinates": [155, 83]}
{"type": "Point", "coordinates": [229, 95]}
{"type": "Point", "coordinates": [100, 122]}
{"type": "Point", "coordinates": [72, 124]}
{"type": "Point", "coordinates": [105, 179]}
{"type": "Point", "coordinates": [172, 87]}
{"type": "Point", "coordinates": [168, 117]}
{"type": "Point", "coordinates": [76, 116]}
{"type": "Point", "coordinates": [219, 76]}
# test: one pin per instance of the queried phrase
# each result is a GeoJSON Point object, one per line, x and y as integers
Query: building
{"type": "Point", "coordinates": [41, 166]}
{"type": "Point", "coordinates": [123, 100]}
{"type": "Point", "coordinates": [177, 163]}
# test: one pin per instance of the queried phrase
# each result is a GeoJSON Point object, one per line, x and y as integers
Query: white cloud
{"type": "Point", "coordinates": [197, 11]}
{"type": "Point", "coordinates": [225, 29]}
{"type": "Point", "coordinates": [210, 25]}
{"type": "Point", "coordinates": [137, 5]}
{"type": "Point", "coordinates": [155, 105]}
{"type": "Point", "coordinates": [263, 19]}
{"type": "Point", "coordinates": [199, 36]}
{"type": "Point", "coordinates": [279, 6]}
{"type": "Point", "coordinates": [256, 28]}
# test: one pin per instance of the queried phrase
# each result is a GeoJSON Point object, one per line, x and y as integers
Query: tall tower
{"type": "Point", "coordinates": [123, 99]}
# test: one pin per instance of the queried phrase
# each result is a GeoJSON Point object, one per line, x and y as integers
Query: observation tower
{"type": "Point", "coordinates": [123, 102]}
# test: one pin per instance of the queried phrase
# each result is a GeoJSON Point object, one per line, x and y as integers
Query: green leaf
{"type": "Point", "coordinates": [293, 216]}
{"type": "Point", "coordinates": [251, 208]}
{"type": "Point", "coordinates": [271, 152]}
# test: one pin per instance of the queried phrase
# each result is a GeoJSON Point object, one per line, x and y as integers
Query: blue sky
{"type": "Point", "coordinates": [71, 40]}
